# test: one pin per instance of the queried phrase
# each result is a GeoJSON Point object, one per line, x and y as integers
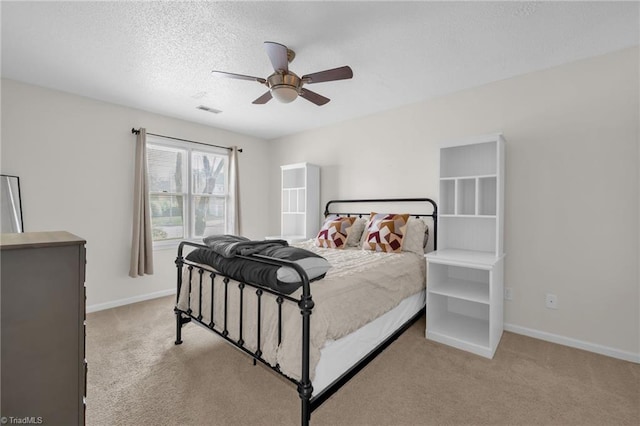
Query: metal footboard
{"type": "Point", "coordinates": [195, 314]}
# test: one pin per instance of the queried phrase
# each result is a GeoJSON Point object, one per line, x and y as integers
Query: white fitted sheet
{"type": "Point", "coordinates": [337, 356]}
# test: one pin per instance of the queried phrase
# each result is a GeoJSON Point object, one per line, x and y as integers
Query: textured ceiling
{"type": "Point", "coordinates": [158, 56]}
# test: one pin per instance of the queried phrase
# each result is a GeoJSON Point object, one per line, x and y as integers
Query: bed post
{"type": "Point", "coordinates": [305, 388]}
{"type": "Point", "coordinates": [179, 263]}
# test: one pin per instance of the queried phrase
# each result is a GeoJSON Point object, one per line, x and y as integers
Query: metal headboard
{"type": "Point", "coordinates": [433, 214]}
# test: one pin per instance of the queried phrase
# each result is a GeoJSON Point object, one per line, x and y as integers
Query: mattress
{"type": "Point", "coordinates": [338, 356]}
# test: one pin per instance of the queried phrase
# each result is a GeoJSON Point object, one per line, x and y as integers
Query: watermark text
{"type": "Point", "coordinates": [26, 420]}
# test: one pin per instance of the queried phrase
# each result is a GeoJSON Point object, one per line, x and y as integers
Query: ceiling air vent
{"type": "Point", "coordinates": [208, 109]}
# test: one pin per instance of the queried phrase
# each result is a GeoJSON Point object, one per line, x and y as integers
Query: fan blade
{"type": "Point", "coordinates": [263, 99]}
{"type": "Point", "coordinates": [278, 55]}
{"type": "Point", "coordinates": [341, 73]}
{"type": "Point", "coordinates": [313, 97]}
{"type": "Point", "coordinates": [239, 76]}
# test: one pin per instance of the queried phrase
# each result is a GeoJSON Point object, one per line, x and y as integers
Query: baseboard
{"type": "Point", "coordinates": [574, 343]}
{"type": "Point", "coordinates": [129, 300]}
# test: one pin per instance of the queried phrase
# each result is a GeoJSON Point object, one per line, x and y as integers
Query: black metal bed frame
{"type": "Point", "coordinates": [305, 304]}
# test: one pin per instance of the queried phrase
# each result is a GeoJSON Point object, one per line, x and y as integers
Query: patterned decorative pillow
{"type": "Point", "coordinates": [385, 232]}
{"type": "Point", "coordinates": [334, 232]}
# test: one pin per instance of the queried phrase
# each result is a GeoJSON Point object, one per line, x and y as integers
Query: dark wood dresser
{"type": "Point", "coordinates": [43, 364]}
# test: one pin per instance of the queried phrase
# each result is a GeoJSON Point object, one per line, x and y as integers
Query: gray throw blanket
{"type": "Point", "coordinates": [231, 245]}
{"type": "Point", "coordinates": [222, 254]}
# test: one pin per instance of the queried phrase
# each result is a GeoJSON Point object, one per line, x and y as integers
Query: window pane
{"type": "Point", "coordinates": [208, 173]}
{"type": "Point", "coordinates": [209, 213]}
{"type": "Point", "coordinates": [167, 217]}
{"type": "Point", "coordinates": [167, 169]}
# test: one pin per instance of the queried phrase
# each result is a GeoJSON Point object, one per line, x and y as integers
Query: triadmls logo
{"type": "Point", "coordinates": [27, 420]}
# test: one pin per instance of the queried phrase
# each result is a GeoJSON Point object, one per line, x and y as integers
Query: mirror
{"type": "Point", "coordinates": [11, 205]}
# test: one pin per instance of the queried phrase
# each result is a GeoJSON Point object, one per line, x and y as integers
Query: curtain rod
{"type": "Point", "coordinates": [137, 131]}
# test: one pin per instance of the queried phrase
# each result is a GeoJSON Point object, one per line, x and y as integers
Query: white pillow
{"type": "Point", "coordinates": [313, 266]}
{"type": "Point", "coordinates": [355, 234]}
{"type": "Point", "coordinates": [415, 239]}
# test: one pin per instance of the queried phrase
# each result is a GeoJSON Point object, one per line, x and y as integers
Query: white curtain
{"type": "Point", "coordinates": [141, 241]}
{"type": "Point", "coordinates": [233, 205]}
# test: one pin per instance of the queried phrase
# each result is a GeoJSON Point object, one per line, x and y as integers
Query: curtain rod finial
{"type": "Point", "coordinates": [134, 131]}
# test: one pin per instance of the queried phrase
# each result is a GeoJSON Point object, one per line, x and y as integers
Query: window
{"type": "Point", "coordinates": [187, 190]}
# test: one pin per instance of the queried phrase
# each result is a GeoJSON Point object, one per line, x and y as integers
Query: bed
{"type": "Point", "coordinates": [316, 327]}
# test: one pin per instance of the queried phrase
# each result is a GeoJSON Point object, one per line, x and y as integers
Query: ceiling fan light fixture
{"type": "Point", "coordinates": [286, 86]}
{"type": "Point", "coordinates": [284, 93]}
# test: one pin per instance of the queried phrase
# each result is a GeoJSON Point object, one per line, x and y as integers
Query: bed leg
{"type": "Point", "coordinates": [306, 412]}
{"type": "Point", "coordinates": [178, 328]}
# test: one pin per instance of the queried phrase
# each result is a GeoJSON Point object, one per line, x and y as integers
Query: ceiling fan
{"type": "Point", "coordinates": [286, 86]}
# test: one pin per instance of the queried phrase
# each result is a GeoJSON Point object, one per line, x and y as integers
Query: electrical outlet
{"type": "Point", "coordinates": [551, 301]}
{"type": "Point", "coordinates": [508, 293]}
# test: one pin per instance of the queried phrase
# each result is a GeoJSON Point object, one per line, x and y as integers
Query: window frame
{"type": "Point", "coordinates": [188, 211]}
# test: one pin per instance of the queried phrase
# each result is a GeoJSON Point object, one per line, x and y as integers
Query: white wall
{"type": "Point", "coordinates": [572, 185]}
{"type": "Point", "coordinates": [74, 157]}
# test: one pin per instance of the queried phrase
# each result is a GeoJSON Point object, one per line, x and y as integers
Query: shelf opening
{"type": "Point", "coordinates": [293, 178]}
{"type": "Point", "coordinates": [460, 319]}
{"type": "Point", "coordinates": [459, 282]}
{"type": "Point", "coordinates": [469, 160]}
{"type": "Point", "coordinates": [476, 233]}
{"type": "Point", "coordinates": [466, 197]}
{"type": "Point", "coordinates": [447, 196]}
{"type": "Point", "coordinates": [487, 199]}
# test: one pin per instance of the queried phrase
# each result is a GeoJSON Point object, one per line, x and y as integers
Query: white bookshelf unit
{"type": "Point", "coordinates": [300, 213]}
{"type": "Point", "coordinates": [466, 273]}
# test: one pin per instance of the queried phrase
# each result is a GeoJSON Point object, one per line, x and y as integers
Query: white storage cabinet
{"type": "Point", "coordinates": [465, 275]}
{"type": "Point", "coordinates": [300, 212]}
